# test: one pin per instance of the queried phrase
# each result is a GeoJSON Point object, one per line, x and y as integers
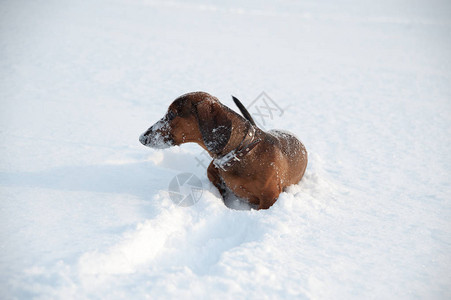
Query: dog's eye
{"type": "Point", "coordinates": [171, 115]}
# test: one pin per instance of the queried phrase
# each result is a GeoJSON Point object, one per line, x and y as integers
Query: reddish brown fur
{"type": "Point", "coordinates": [278, 161]}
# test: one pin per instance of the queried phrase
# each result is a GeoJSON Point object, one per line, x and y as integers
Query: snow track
{"type": "Point", "coordinates": [85, 209]}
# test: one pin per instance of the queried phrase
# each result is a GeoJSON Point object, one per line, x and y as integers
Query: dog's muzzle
{"type": "Point", "coordinates": [157, 136]}
{"type": "Point", "coordinates": [144, 139]}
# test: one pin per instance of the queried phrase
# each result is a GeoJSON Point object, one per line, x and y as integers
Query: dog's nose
{"type": "Point", "coordinates": [143, 139]}
{"type": "Point", "coordinates": [158, 136]}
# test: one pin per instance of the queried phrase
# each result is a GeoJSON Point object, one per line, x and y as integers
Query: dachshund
{"type": "Point", "coordinates": [253, 164]}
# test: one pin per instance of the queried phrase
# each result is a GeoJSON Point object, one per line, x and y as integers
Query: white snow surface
{"type": "Point", "coordinates": [85, 211]}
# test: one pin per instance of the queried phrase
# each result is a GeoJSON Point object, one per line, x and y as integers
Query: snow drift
{"type": "Point", "coordinates": [86, 211]}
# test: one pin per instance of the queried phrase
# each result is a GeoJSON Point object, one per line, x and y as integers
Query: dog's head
{"type": "Point", "coordinates": [195, 117]}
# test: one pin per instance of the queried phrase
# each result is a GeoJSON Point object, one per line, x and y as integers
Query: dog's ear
{"type": "Point", "coordinates": [214, 124]}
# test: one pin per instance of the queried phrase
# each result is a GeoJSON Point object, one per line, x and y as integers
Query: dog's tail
{"type": "Point", "coordinates": [243, 110]}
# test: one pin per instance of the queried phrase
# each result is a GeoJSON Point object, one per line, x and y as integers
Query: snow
{"type": "Point", "coordinates": [85, 210]}
{"type": "Point", "coordinates": [157, 136]}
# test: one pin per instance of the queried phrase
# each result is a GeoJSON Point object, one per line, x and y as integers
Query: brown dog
{"type": "Point", "coordinates": [253, 164]}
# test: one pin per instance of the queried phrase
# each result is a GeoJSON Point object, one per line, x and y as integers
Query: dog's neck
{"type": "Point", "coordinates": [239, 131]}
{"type": "Point", "coordinates": [229, 159]}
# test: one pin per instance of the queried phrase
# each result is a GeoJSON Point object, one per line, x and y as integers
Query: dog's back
{"type": "Point", "coordinates": [293, 155]}
{"type": "Point", "coordinates": [290, 153]}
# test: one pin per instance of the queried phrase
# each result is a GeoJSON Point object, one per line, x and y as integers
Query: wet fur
{"type": "Point", "coordinates": [278, 161]}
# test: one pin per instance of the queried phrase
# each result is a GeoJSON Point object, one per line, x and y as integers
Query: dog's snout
{"type": "Point", "coordinates": [158, 136]}
{"type": "Point", "coordinates": [143, 138]}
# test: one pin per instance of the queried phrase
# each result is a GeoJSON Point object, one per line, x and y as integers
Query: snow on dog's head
{"type": "Point", "coordinates": [179, 125]}
{"type": "Point", "coordinates": [158, 135]}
